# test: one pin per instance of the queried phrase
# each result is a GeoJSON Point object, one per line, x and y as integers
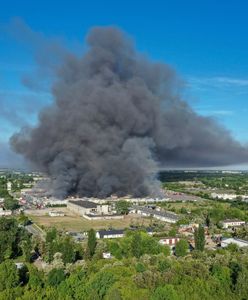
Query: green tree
{"type": "Point", "coordinates": [242, 286]}
{"type": "Point", "coordinates": [10, 203]}
{"type": "Point", "coordinates": [91, 245]}
{"type": "Point", "coordinates": [9, 277]}
{"type": "Point", "coordinates": [136, 245]}
{"type": "Point", "coordinates": [181, 248]}
{"type": "Point", "coordinates": [208, 221]}
{"type": "Point", "coordinates": [67, 247]}
{"type": "Point", "coordinates": [166, 292]}
{"type": "Point", "coordinates": [26, 249]}
{"type": "Point", "coordinates": [23, 219]}
{"type": "Point", "coordinates": [122, 207]}
{"type": "Point", "coordinates": [55, 277]}
{"type": "Point", "coordinates": [199, 236]}
{"type": "Point", "coordinates": [99, 285]}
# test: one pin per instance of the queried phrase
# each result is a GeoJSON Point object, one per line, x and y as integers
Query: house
{"type": "Point", "coordinates": [4, 213]}
{"type": "Point", "coordinates": [170, 241]}
{"type": "Point", "coordinates": [19, 265]}
{"type": "Point", "coordinates": [106, 255]}
{"type": "Point", "coordinates": [56, 213]}
{"type": "Point", "coordinates": [9, 186]}
{"type": "Point", "coordinates": [232, 223]}
{"type": "Point", "coordinates": [240, 243]}
{"type": "Point", "coordinates": [160, 215]}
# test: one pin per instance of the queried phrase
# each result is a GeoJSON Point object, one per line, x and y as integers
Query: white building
{"type": "Point", "coordinates": [106, 255]}
{"type": "Point", "coordinates": [4, 213]}
{"type": "Point", "coordinates": [9, 186]}
{"type": "Point", "coordinates": [170, 241]}
{"type": "Point", "coordinates": [56, 214]}
{"type": "Point", "coordinates": [232, 223]}
{"type": "Point", "coordinates": [238, 242]}
{"type": "Point", "coordinates": [116, 233]}
{"type": "Point", "coordinates": [110, 234]}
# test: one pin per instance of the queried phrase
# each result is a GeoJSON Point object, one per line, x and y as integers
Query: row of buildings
{"type": "Point", "coordinates": [157, 214]}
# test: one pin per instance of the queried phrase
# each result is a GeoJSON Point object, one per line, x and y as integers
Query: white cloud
{"type": "Point", "coordinates": [217, 82]}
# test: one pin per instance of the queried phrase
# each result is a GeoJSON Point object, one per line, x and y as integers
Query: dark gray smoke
{"type": "Point", "coordinates": [116, 117]}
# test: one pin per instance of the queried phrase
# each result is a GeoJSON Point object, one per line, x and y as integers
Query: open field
{"type": "Point", "coordinates": [73, 222]}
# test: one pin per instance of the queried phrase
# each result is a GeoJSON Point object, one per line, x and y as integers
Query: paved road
{"type": "Point", "coordinates": [36, 230]}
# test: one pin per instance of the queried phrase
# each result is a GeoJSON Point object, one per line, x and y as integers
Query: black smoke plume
{"type": "Point", "coordinates": [116, 118]}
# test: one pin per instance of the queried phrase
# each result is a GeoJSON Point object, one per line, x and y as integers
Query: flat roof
{"type": "Point", "coordinates": [232, 220]}
{"type": "Point", "coordinates": [84, 203]}
{"type": "Point", "coordinates": [119, 231]}
{"type": "Point", "coordinates": [153, 212]}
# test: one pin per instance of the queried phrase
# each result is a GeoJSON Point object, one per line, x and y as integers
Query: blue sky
{"type": "Point", "coordinates": [205, 41]}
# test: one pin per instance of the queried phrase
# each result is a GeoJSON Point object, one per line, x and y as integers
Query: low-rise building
{"type": "Point", "coordinates": [9, 186]}
{"type": "Point", "coordinates": [224, 196]}
{"type": "Point", "coordinates": [232, 223]}
{"type": "Point", "coordinates": [103, 217]}
{"type": "Point", "coordinates": [160, 215]}
{"type": "Point", "coordinates": [116, 233]}
{"type": "Point", "coordinates": [56, 214]}
{"type": "Point", "coordinates": [4, 213]}
{"type": "Point", "coordinates": [110, 234]}
{"type": "Point", "coordinates": [106, 255]}
{"type": "Point", "coordinates": [170, 241]}
{"type": "Point", "coordinates": [240, 243]}
{"type": "Point", "coordinates": [85, 207]}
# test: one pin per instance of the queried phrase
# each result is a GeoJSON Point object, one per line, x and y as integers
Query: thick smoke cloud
{"type": "Point", "coordinates": [116, 117]}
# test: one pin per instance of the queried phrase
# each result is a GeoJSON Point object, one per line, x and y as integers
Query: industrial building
{"type": "Point", "coordinates": [85, 207]}
{"type": "Point", "coordinates": [91, 210]}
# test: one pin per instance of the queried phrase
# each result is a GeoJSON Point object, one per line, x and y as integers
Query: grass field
{"type": "Point", "coordinates": [77, 223]}
{"type": "Point", "coordinates": [206, 204]}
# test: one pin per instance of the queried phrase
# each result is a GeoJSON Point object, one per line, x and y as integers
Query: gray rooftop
{"type": "Point", "coordinates": [232, 220]}
{"type": "Point", "coordinates": [154, 212]}
{"type": "Point", "coordinates": [84, 203]}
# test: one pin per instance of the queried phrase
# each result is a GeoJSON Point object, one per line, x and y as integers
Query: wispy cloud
{"type": "Point", "coordinates": [220, 82]}
{"type": "Point", "coordinates": [213, 112]}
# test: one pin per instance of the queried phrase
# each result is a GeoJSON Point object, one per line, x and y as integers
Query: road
{"type": "Point", "coordinates": [36, 231]}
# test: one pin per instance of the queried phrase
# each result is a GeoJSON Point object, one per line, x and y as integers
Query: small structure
{"type": "Point", "coordinates": [170, 241]}
{"type": "Point", "coordinates": [4, 213]}
{"type": "Point", "coordinates": [240, 243]}
{"type": "Point", "coordinates": [56, 214]}
{"type": "Point", "coordinates": [106, 255]}
{"type": "Point", "coordinates": [232, 223]}
{"type": "Point", "coordinates": [9, 186]}
{"type": "Point", "coordinates": [77, 236]}
{"type": "Point", "coordinates": [19, 265]}
{"type": "Point", "coordinates": [160, 215]}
